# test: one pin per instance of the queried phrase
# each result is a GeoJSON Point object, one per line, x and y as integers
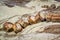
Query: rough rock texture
{"type": "Point", "coordinates": [40, 36]}
{"type": "Point", "coordinates": [32, 32]}
{"type": "Point", "coordinates": [43, 27]}
{"type": "Point", "coordinates": [36, 36]}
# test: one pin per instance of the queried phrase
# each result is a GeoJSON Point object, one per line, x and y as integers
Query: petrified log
{"type": "Point", "coordinates": [53, 17]}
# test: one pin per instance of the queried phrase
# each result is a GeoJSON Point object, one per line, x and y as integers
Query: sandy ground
{"type": "Point", "coordinates": [6, 12]}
